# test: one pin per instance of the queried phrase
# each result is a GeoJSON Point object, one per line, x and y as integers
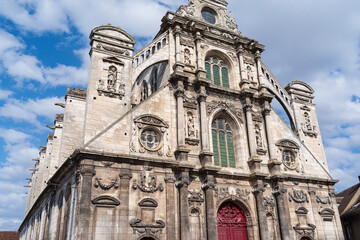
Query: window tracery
{"type": "Point", "coordinates": [217, 71]}
{"type": "Point", "coordinates": [223, 145]}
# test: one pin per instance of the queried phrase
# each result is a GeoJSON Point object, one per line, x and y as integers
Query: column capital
{"type": "Point", "coordinates": [179, 90]}
{"type": "Point", "coordinates": [177, 30]}
{"type": "Point", "coordinates": [258, 55]}
{"type": "Point", "coordinates": [202, 95]}
{"type": "Point", "coordinates": [279, 190]}
{"type": "Point", "coordinates": [209, 183]}
{"type": "Point", "coordinates": [125, 174]}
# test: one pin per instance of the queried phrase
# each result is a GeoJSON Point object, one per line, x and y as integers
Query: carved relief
{"type": "Point", "coordinates": [289, 152]}
{"type": "Point", "coordinates": [148, 183]}
{"type": "Point", "coordinates": [230, 21]}
{"type": "Point", "coordinates": [303, 228]}
{"type": "Point", "coordinates": [151, 134]}
{"type": "Point", "coordinates": [211, 107]}
{"type": "Point", "coordinates": [195, 198]}
{"type": "Point", "coordinates": [192, 134]}
{"type": "Point", "coordinates": [230, 192]}
{"type": "Point", "coordinates": [298, 196]}
{"type": "Point", "coordinates": [112, 86]}
{"type": "Point", "coordinates": [326, 200]}
{"type": "Point", "coordinates": [306, 126]}
{"type": "Point", "coordinates": [106, 182]}
{"type": "Point", "coordinates": [147, 225]}
{"type": "Point", "coordinates": [187, 10]}
{"type": "Point", "coordinates": [269, 204]}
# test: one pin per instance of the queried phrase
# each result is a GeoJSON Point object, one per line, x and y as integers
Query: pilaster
{"type": "Point", "coordinates": [87, 171]}
{"type": "Point", "coordinates": [183, 186]}
{"type": "Point", "coordinates": [170, 207]}
{"type": "Point", "coordinates": [261, 211]}
{"type": "Point", "coordinates": [283, 211]}
{"type": "Point", "coordinates": [209, 188]}
{"type": "Point", "coordinates": [125, 177]}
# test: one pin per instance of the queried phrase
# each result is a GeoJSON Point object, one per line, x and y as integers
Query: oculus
{"type": "Point", "coordinates": [288, 159]}
{"type": "Point", "coordinates": [150, 139]}
{"type": "Point", "coordinates": [209, 15]}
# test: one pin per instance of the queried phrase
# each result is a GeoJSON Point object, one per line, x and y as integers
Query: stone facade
{"type": "Point", "coordinates": [179, 141]}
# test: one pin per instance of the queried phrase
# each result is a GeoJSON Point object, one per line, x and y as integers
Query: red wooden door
{"type": "Point", "coordinates": [231, 222]}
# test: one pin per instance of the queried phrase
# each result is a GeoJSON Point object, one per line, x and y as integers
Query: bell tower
{"type": "Point", "coordinates": [109, 83]}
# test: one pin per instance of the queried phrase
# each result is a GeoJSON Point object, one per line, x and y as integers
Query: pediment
{"type": "Point", "coordinates": [113, 60]}
{"type": "Point", "coordinates": [113, 32]}
{"type": "Point", "coordinates": [301, 210]}
{"type": "Point", "coordinates": [300, 85]}
{"type": "Point", "coordinates": [149, 119]}
{"type": "Point", "coordinates": [106, 201]}
{"type": "Point", "coordinates": [148, 202]}
{"type": "Point", "coordinates": [287, 143]}
{"type": "Point", "coordinates": [326, 212]}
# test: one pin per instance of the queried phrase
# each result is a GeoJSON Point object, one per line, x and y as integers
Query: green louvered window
{"type": "Point", "coordinates": [223, 145]}
{"type": "Point", "coordinates": [217, 71]}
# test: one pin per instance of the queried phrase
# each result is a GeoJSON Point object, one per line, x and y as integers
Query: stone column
{"type": "Point", "coordinates": [209, 188]}
{"type": "Point", "coordinates": [250, 127]}
{"type": "Point", "coordinates": [198, 51]}
{"type": "Point", "coordinates": [269, 135]}
{"type": "Point", "coordinates": [183, 185]}
{"type": "Point", "coordinates": [258, 66]}
{"type": "Point", "coordinates": [283, 211]}
{"type": "Point", "coordinates": [261, 211]}
{"type": "Point", "coordinates": [179, 94]}
{"type": "Point", "coordinates": [125, 176]}
{"type": "Point", "coordinates": [87, 170]}
{"type": "Point", "coordinates": [242, 65]}
{"type": "Point", "coordinates": [177, 32]}
{"type": "Point", "coordinates": [170, 207]}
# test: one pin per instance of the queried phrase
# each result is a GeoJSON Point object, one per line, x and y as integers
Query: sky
{"type": "Point", "coordinates": [44, 48]}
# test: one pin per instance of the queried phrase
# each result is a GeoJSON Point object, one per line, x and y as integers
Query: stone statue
{"type": "Point", "coordinates": [112, 77]}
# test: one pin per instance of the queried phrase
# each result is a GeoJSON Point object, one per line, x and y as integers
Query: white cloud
{"type": "Point", "coordinates": [4, 94]}
{"type": "Point", "coordinates": [31, 109]}
{"type": "Point", "coordinates": [23, 67]}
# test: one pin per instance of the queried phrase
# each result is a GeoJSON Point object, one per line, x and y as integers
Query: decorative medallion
{"type": "Point", "coordinates": [298, 196]}
{"type": "Point", "coordinates": [106, 182]}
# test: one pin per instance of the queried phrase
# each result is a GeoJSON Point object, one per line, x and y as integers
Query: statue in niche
{"type": "Point", "coordinates": [112, 77]}
{"type": "Point", "coordinates": [250, 74]}
{"type": "Point", "coordinates": [191, 125]}
{"type": "Point", "coordinates": [258, 136]}
{"type": "Point", "coordinates": [187, 56]}
{"type": "Point", "coordinates": [307, 121]}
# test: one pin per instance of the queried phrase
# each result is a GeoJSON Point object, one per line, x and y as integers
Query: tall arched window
{"type": "Point", "coordinates": [144, 90]}
{"type": "Point", "coordinates": [217, 71]}
{"type": "Point", "coordinates": [223, 144]}
{"type": "Point", "coordinates": [154, 80]}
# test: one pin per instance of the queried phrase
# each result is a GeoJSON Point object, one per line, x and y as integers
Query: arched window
{"type": "Point", "coordinates": [144, 91]}
{"type": "Point", "coordinates": [154, 80]}
{"type": "Point", "coordinates": [223, 145]}
{"type": "Point", "coordinates": [217, 71]}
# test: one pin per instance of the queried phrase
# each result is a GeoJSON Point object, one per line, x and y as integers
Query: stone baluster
{"type": "Point", "coordinates": [210, 188]}
{"type": "Point", "coordinates": [183, 186]}
{"type": "Point", "coordinates": [283, 211]}
{"type": "Point", "coordinates": [125, 177]}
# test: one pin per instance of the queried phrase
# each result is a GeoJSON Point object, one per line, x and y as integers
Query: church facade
{"type": "Point", "coordinates": [180, 141]}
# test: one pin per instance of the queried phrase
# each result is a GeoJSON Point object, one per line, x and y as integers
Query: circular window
{"type": "Point", "coordinates": [150, 139]}
{"type": "Point", "coordinates": [209, 15]}
{"type": "Point", "coordinates": [288, 159]}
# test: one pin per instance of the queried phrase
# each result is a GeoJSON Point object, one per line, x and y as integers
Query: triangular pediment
{"type": "Point", "coordinates": [114, 60]}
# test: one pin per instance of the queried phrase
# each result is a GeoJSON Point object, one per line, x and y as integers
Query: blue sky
{"type": "Point", "coordinates": [44, 48]}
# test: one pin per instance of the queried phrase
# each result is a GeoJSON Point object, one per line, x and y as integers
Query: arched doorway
{"type": "Point", "coordinates": [231, 222]}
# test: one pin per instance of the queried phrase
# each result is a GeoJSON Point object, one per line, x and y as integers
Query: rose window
{"type": "Point", "coordinates": [150, 139]}
{"type": "Point", "coordinates": [288, 159]}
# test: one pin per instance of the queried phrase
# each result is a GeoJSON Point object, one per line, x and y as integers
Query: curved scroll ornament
{"type": "Point", "coordinates": [106, 183]}
{"type": "Point", "coordinates": [298, 196]}
{"type": "Point", "coordinates": [326, 200]}
{"type": "Point", "coordinates": [148, 183]}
